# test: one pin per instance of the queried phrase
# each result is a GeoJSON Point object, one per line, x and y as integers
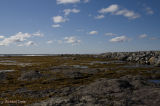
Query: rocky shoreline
{"type": "Point", "coordinates": [142, 57]}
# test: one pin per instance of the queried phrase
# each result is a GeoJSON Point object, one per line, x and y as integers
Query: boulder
{"type": "Point", "coordinates": [152, 60]}
{"type": "Point", "coordinates": [158, 62]}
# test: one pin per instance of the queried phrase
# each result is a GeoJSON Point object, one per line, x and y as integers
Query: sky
{"type": "Point", "coordinates": [78, 26]}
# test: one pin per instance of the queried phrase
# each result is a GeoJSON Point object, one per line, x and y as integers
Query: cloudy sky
{"type": "Point", "coordinates": [78, 26]}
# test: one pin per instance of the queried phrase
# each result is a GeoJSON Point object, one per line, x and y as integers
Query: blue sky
{"type": "Point", "coordinates": [78, 26]}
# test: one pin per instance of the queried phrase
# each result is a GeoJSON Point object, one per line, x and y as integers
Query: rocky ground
{"type": "Point", "coordinates": [110, 79]}
{"type": "Point", "coordinates": [124, 91]}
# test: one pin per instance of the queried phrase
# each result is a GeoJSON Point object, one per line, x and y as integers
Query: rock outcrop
{"type": "Point", "coordinates": [125, 91]}
{"type": "Point", "coordinates": [143, 57]}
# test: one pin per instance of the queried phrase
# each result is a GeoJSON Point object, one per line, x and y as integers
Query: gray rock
{"type": "Point", "coordinates": [142, 57]}
{"type": "Point", "coordinates": [74, 75]}
{"type": "Point", "coordinates": [2, 76]}
{"type": "Point", "coordinates": [30, 75]}
{"type": "Point", "coordinates": [125, 91]}
{"type": "Point", "coordinates": [157, 62]}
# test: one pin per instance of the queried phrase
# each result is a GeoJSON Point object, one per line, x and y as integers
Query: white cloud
{"type": "Point", "coordinates": [127, 13]}
{"type": "Point", "coordinates": [38, 34]}
{"type": "Point", "coordinates": [72, 40]}
{"type": "Point", "coordinates": [29, 43]}
{"type": "Point", "coordinates": [110, 34]}
{"type": "Point", "coordinates": [1, 37]}
{"type": "Point", "coordinates": [68, 11]}
{"type": "Point", "coordinates": [114, 9]}
{"type": "Point", "coordinates": [143, 36]}
{"type": "Point", "coordinates": [99, 17]}
{"type": "Point", "coordinates": [119, 39]}
{"type": "Point", "coordinates": [67, 1]}
{"type": "Point", "coordinates": [56, 25]}
{"type": "Point", "coordinates": [154, 38]}
{"type": "Point", "coordinates": [93, 32]}
{"type": "Point", "coordinates": [59, 19]}
{"type": "Point", "coordinates": [18, 38]}
{"type": "Point", "coordinates": [149, 11]}
{"type": "Point", "coordinates": [86, 1]}
{"type": "Point", "coordinates": [49, 42]}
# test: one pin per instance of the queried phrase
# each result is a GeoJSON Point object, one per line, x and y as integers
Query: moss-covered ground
{"type": "Point", "coordinates": [46, 64]}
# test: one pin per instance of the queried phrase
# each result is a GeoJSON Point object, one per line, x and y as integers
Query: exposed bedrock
{"type": "Point", "coordinates": [125, 91]}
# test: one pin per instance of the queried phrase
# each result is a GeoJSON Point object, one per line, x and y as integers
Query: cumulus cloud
{"type": "Point", "coordinates": [119, 39]}
{"type": "Point", "coordinates": [99, 17]}
{"type": "Point", "coordinates": [68, 11]}
{"type": "Point", "coordinates": [67, 1]}
{"type": "Point", "coordinates": [127, 13]}
{"type": "Point", "coordinates": [143, 36]}
{"type": "Point", "coordinates": [59, 19]}
{"type": "Point", "coordinates": [110, 34]}
{"type": "Point", "coordinates": [93, 32]}
{"type": "Point", "coordinates": [56, 25]}
{"type": "Point", "coordinates": [1, 37]}
{"type": "Point", "coordinates": [18, 38]}
{"type": "Point", "coordinates": [72, 40]}
{"type": "Point", "coordinates": [149, 11]}
{"type": "Point", "coordinates": [114, 9]}
{"type": "Point", "coordinates": [49, 42]}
